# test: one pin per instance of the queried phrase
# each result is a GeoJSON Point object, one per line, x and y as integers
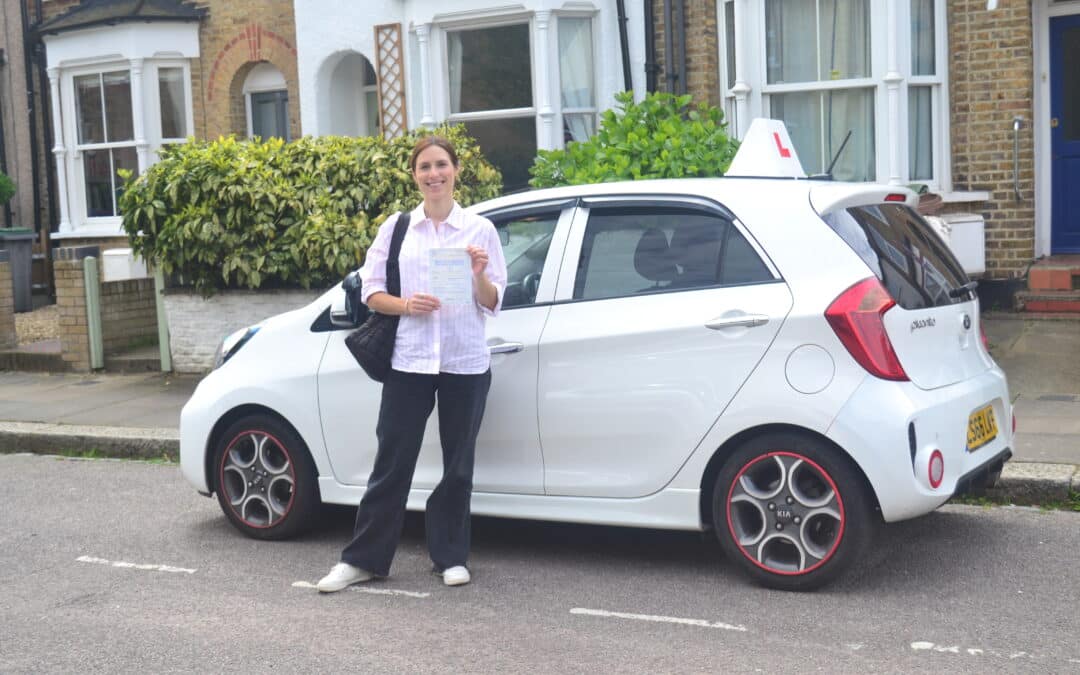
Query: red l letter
{"type": "Point", "coordinates": [784, 152]}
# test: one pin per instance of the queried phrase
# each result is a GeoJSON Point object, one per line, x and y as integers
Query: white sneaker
{"type": "Point", "coordinates": [343, 575]}
{"type": "Point", "coordinates": [456, 576]}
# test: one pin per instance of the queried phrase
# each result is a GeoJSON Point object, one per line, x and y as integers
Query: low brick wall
{"type": "Point", "coordinates": [128, 314]}
{"type": "Point", "coordinates": [8, 337]}
{"type": "Point", "coordinates": [197, 324]}
{"type": "Point", "coordinates": [71, 305]}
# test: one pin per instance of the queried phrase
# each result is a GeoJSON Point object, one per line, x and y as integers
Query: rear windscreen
{"type": "Point", "coordinates": [910, 259]}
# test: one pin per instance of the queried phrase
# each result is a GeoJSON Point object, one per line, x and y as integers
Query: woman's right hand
{"type": "Point", "coordinates": [421, 304]}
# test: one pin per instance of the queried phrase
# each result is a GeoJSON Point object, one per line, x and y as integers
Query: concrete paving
{"type": "Point", "coordinates": [138, 415]}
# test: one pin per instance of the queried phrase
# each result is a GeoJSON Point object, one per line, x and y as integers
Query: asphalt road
{"type": "Point", "coordinates": [120, 567]}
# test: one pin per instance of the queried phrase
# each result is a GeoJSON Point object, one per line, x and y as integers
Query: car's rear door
{"type": "Point", "coordinates": [664, 308]}
{"type": "Point", "coordinates": [508, 457]}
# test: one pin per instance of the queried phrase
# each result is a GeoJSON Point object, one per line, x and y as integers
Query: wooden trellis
{"type": "Point", "coordinates": [390, 68]}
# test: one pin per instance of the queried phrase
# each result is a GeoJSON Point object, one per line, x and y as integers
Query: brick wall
{"type": "Point", "coordinates": [702, 54]}
{"type": "Point", "coordinates": [8, 337]}
{"type": "Point", "coordinates": [197, 324]}
{"type": "Point", "coordinates": [128, 314]}
{"type": "Point", "coordinates": [234, 37]}
{"type": "Point", "coordinates": [990, 71]}
{"type": "Point", "coordinates": [71, 305]}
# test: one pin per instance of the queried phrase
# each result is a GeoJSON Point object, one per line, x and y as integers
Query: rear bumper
{"type": "Point", "coordinates": [982, 477]}
{"type": "Point", "coordinates": [892, 430]}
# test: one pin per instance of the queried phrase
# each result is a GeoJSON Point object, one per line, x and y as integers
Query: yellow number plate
{"type": "Point", "coordinates": [982, 428]}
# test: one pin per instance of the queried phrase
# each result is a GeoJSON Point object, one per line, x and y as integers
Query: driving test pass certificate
{"type": "Point", "coordinates": [450, 276]}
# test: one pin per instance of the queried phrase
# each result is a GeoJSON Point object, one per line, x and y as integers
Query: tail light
{"type": "Point", "coordinates": [856, 318]}
{"type": "Point", "coordinates": [982, 336]}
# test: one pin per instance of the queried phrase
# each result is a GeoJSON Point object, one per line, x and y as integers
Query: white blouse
{"type": "Point", "coordinates": [450, 339]}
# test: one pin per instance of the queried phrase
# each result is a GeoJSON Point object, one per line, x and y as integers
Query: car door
{"type": "Point", "coordinates": [667, 308]}
{"type": "Point", "coordinates": [508, 457]}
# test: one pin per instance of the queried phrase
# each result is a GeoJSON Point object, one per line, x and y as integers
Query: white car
{"type": "Point", "coordinates": [785, 362]}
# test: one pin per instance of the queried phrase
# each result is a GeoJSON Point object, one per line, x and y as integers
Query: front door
{"type": "Point", "coordinates": [1065, 133]}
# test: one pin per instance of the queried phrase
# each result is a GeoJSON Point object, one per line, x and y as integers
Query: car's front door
{"type": "Point", "coordinates": [508, 457]}
{"type": "Point", "coordinates": [668, 311]}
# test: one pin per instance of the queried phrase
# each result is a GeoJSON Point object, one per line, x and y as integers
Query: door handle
{"type": "Point", "coordinates": [1053, 123]}
{"type": "Point", "coordinates": [746, 320]}
{"type": "Point", "coordinates": [503, 347]}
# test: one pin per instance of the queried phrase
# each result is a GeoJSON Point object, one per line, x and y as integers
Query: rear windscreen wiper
{"type": "Point", "coordinates": [968, 288]}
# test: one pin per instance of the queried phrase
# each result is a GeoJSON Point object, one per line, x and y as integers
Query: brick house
{"type": "Point", "coordinates": [127, 77]}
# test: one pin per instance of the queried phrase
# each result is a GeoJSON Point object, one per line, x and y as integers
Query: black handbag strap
{"type": "Point", "coordinates": [393, 268]}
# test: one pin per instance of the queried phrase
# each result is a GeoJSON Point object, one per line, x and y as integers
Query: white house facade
{"type": "Point", "coordinates": [524, 76]}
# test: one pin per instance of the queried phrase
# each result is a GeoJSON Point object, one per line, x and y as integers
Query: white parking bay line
{"type": "Point", "coordinates": [702, 623]}
{"type": "Point", "coordinates": [368, 589]}
{"type": "Point", "coordinates": [149, 567]}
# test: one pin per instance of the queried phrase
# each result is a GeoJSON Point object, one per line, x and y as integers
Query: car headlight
{"type": "Point", "coordinates": [232, 344]}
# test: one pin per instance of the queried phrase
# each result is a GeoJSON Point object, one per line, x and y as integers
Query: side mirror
{"type": "Point", "coordinates": [346, 311]}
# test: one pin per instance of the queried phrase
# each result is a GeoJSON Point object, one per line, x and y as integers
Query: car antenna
{"type": "Point", "coordinates": [836, 157]}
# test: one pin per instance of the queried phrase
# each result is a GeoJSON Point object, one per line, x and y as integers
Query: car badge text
{"type": "Point", "coordinates": [922, 323]}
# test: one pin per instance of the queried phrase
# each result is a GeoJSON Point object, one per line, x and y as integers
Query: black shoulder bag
{"type": "Point", "coordinates": [372, 344]}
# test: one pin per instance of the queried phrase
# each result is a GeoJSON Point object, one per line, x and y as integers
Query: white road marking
{"type": "Point", "coordinates": [660, 619]}
{"type": "Point", "coordinates": [923, 646]}
{"type": "Point", "coordinates": [133, 566]}
{"type": "Point", "coordinates": [368, 589]}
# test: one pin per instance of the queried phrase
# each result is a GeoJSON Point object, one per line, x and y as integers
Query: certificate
{"type": "Point", "coordinates": [450, 276]}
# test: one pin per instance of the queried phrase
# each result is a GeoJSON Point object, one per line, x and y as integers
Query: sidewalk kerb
{"type": "Point", "coordinates": [118, 442]}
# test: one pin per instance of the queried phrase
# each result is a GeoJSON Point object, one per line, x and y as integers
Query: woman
{"type": "Point", "coordinates": [439, 349]}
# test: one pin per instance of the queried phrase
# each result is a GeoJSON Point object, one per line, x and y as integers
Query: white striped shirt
{"type": "Point", "coordinates": [451, 339]}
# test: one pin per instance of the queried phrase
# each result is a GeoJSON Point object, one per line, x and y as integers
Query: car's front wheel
{"type": "Point", "coordinates": [264, 478]}
{"type": "Point", "coordinates": [791, 512]}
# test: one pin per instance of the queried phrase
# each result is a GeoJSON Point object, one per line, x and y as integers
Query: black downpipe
{"type": "Point", "coordinates": [669, 51]}
{"type": "Point", "coordinates": [31, 111]}
{"type": "Point", "coordinates": [628, 82]}
{"type": "Point", "coordinates": [650, 48]}
{"type": "Point", "coordinates": [680, 62]}
{"type": "Point", "coordinates": [47, 127]}
{"type": "Point", "coordinates": [3, 150]}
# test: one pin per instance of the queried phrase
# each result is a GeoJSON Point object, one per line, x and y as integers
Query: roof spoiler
{"type": "Point", "coordinates": [826, 198]}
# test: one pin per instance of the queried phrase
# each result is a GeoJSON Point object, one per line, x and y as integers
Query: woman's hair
{"type": "Point", "coordinates": [428, 141]}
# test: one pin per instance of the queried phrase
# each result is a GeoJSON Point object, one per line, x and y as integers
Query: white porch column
{"type": "Point", "coordinates": [59, 151]}
{"type": "Point", "coordinates": [895, 136]}
{"type": "Point", "coordinates": [543, 105]}
{"type": "Point", "coordinates": [422, 33]}
{"type": "Point", "coordinates": [142, 148]}
{"type": "Point", "coordinates": [741, 88]}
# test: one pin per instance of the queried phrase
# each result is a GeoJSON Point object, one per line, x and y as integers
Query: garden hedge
{"type": "Point", "coordinates": [265, 213]}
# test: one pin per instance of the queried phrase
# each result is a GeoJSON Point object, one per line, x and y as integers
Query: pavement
{"type": "Point", "coordinates": [137, 416]}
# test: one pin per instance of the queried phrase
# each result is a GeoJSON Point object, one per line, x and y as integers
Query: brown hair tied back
{"type": "Point", "coordinates": [428, 141]}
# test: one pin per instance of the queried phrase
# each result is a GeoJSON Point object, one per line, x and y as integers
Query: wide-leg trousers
{"type": "Point", "coordinates": [407, 401]}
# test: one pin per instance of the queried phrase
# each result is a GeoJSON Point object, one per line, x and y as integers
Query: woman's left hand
{"type": "Point", "coordinates": [479, 259]}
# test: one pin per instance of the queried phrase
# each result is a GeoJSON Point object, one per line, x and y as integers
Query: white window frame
{"type": "Point", "coordinates": [494, 114]}
{"type": "Point", "coordinates": [76, 166]}
{"type": "Point", "coordinates": [153, 93]}
{"type": "Point", "coordinates": [594, 110]}
{"type": "Point", "coordinates": [884, 17]}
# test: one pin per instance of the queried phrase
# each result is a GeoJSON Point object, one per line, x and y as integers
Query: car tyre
{"type": "Point", "coordinates": [264, 478]}
{"type": "Point", "coordinates": [791, 511]}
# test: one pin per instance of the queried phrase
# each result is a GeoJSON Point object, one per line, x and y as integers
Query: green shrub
{"type": "Point", "coordinates": [661, 137]}
{"type": "Point", "coordinates": [258, 214]}
{"type": "Point", "coordinates": [7, 188]}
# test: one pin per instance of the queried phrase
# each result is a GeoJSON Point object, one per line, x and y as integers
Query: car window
{"type": "Point", "coordinates": [909, 259]}
{"type": "Point", "coordinates": [525, 240]}
{"type": "Point", "coordinates": [642, 250]}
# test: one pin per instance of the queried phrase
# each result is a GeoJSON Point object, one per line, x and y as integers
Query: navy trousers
{"type": "Point", "coordinates": [407, 401]}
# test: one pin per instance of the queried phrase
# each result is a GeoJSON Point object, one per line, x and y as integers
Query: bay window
{"type": "Point", "coordinates": [518, 84]}
{"type": "Point", "coordinates": [106, 137]}
{"type": "Point", "coordinates": [833, 70]}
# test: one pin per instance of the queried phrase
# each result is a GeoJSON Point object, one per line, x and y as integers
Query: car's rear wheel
{"type": "Point", "coordinates": [264, 478]}
{"type": "Point", "coordinates": [791, 512]}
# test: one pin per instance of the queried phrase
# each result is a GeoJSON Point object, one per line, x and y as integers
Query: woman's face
{"type": "Point", "coordinates": [435, 173]}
